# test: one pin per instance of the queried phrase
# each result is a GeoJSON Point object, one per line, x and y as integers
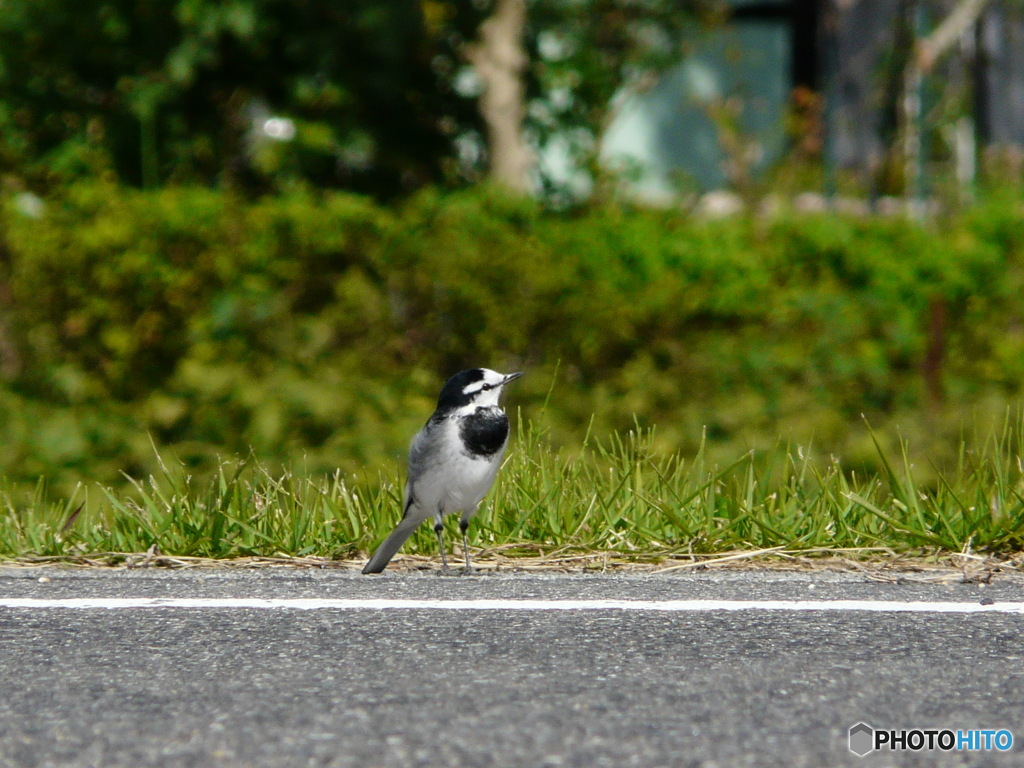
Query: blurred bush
{"type": "Point", "coordinates": [316, 329]}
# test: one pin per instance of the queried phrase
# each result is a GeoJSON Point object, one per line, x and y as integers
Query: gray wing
{"type": "Point", "coordinates": [423, 456]}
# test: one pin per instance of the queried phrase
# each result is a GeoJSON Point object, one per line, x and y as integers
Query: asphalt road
{"type": "Point", "coordinates": [256, 687]}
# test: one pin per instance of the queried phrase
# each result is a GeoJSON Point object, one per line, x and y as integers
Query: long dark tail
{"type": "Point", "coordinates": [392, 544]}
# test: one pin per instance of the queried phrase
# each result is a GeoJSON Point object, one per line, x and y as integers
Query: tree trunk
{"type": "Point", "coordinates": [960, 20]}
{"type": "Point", "coordinates": [927, 51]}
{"type": "Point", "coordinates": [500, 61]}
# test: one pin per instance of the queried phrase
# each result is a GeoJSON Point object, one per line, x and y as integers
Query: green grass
{"type": "Point", "coordinates": [615, 495]}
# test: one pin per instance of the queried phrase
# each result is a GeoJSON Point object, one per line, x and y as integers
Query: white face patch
{"type": "Point", "coordinates": [486, 390]}
{"type": "Point", "coordinates": [490, 380]}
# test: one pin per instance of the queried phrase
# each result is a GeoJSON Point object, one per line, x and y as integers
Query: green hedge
{"type": "Point", "coordinates": [316, 328]}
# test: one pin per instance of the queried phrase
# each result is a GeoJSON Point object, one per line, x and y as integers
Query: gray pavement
{"type": "Point", "coordinates": [244, 687]}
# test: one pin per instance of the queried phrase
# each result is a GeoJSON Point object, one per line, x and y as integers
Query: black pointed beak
{"type": "Point", "coordinates": [511, 377]}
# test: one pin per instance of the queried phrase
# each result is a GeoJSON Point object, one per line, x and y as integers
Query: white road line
{"type": "Point", "coordinates": [675, 606]}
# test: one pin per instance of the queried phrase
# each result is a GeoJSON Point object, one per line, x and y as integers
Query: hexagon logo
{"type": "Point", "coordinates": [862, 739]}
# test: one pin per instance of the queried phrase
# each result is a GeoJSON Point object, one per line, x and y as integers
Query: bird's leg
{"type": "Point", "coordinates": [464, 526]}
{"type": "Point", "coordinates": [439, 530]}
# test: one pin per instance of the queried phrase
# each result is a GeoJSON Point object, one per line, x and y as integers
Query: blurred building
{"type": "Point", "coordinates": [753, 88]}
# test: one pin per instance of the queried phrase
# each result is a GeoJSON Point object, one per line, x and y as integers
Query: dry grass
{"type": "Point", "coordinates": [873, 563]}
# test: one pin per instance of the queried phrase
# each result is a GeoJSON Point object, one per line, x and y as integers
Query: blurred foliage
{"type": "Point", "coordinates": [587, 55]}
{"type": "Point", "coordinates": [374, 96]}
{"type": "Point", "coordinates": [157, 90]}
{"type": "Point", "coordinates": [317, 328]}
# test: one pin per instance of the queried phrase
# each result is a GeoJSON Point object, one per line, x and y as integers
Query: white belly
{"type": "Point", "coordinates": [459, 486]}
{"type": "Point", "coordinates": [454, 482]}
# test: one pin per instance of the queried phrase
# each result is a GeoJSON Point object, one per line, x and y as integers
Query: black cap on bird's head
{"type": "Point", "coordinates": [476, 385]}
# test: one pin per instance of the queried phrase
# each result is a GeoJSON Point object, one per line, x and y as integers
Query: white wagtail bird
{"type": "Point", "coordinates": [453, 460]}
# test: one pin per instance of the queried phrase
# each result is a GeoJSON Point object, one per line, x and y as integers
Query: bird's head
{"type": "Point", "coordinates": [477, 387]}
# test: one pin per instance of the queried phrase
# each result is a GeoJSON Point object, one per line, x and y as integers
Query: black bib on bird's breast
{"type": "Point", "coordinates": [484, 431]}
